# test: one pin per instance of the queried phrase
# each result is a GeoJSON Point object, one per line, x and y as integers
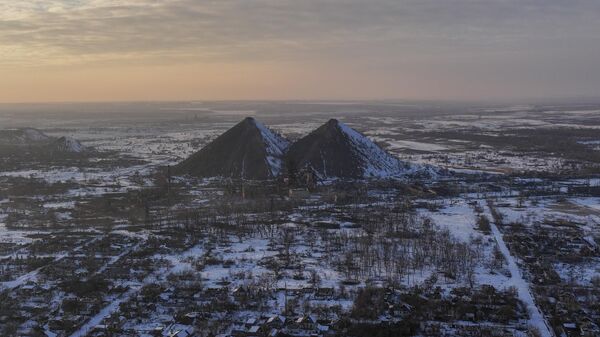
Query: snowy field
{"type": "Point", "coordinates": [100, 237]}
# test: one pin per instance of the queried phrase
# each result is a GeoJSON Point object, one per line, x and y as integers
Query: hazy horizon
{"type": "Point", "coordinates": [531, 101]}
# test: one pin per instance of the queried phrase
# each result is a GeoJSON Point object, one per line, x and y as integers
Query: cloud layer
{"type": "Point", "coordinates": [547, 39]}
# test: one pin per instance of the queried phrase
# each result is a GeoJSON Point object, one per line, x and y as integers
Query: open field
{"type": "Point", "coordinates": [108, 243]}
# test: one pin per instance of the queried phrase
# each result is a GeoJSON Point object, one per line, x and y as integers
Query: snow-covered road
{"type": "Point", "coordinates": [113, 305]}
{"type": "Point", "coordinates": [105, 312]}
{"type": "Point", "coordinates": [536, 318]}
{"type": "Point", "coordinates": [32, 275]}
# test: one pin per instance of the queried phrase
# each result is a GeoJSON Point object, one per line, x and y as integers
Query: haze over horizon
{"type": "Point", "coordinates": [108, 50]}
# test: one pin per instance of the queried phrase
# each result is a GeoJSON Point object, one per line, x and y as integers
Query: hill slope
{"type": "Point", "coordinates": [68, 144]}
{"type": "Point", "coordinates": [24, 136]}
{"type": "Point", "coordinates": [336, 150]}
{"type": "Point", "coordinates": [249, 150]}
{"type": "Point", "coordinates": [34, 138]}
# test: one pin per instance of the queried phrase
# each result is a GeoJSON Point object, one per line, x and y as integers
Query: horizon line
{"type": "Point", "coordinates": [532, 101]}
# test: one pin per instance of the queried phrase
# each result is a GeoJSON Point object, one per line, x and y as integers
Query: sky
{"type": "Point", "coordinates": [130, 50]}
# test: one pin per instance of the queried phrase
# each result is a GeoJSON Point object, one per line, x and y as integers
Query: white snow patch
{"type": "Point", "coordinates": [275, 146]}
{"type": "Point", "coordinates": [418, 146]}
{"type": "Point", "coordinates": [378, 162]}
{"type": "Point", "coordinates": [70, 144]}
{"type": "Point", "coordinates": [63, 204]}
{"type": "Point", "coordinates": [34, 135]}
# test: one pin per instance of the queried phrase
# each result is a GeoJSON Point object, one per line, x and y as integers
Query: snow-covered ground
{"type": "Point", "coordinates": [241, 260]}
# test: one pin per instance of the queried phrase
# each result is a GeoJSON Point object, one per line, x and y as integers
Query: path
{"type": "Point", "coordinates": [536, 318]}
